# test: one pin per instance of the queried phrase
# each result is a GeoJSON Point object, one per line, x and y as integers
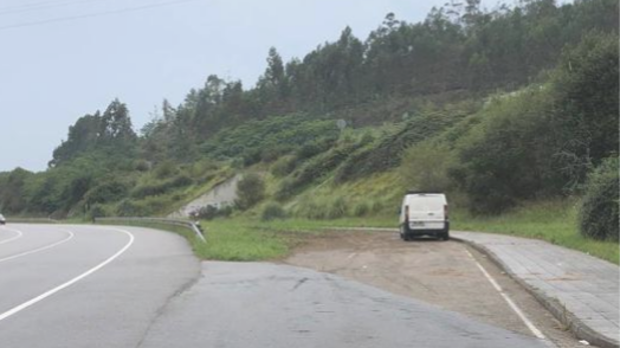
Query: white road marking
{"type": "Point", "coordinates": [511, 303]}
{"type": "Point", "coordinates": [51, 292]}
{"type": "Point", "coordinates": [70, 234]}
{"type": "Point", "coordinates": [19, 235]}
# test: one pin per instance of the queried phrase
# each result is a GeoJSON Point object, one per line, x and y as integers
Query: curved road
{"type": "Point", "coordinates": [87, 286]}
{"type": "Point", "coordinates": [96, 286]}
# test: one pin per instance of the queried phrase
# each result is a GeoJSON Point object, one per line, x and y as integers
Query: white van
{"type": "Point", "coordinates": [424, 213]}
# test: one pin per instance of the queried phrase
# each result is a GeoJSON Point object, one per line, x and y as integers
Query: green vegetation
{"type": "Point", "coordinates": [598, 214]}
{"type": "Point", "coordinates": [498, 108]}
{"type": "Point", "coordinates": [555, 222]}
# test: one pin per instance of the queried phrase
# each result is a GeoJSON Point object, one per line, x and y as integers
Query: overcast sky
{"type": "Point", "coordinates": [62, 59]}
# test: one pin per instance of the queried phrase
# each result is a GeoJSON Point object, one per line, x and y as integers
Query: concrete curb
{"type": "Point", "coordinates": [559, 311]}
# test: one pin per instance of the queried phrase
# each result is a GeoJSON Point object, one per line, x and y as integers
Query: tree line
{"type": "Point", "coordinates": [459, 53]}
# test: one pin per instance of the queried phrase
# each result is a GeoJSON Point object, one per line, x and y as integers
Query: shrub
{"type": "Point", "coordinates": [128, 208]}
{"type": "Point", "coordinates": [165, 169]}
{"type": "Point", "coordinates": [108, 191]}
{"type": "Point", "coordinates": [598, 214]}
{"type": "Point", "coordinates": [273, 211]}
{"type": "Point", "coordinates": [250, 190]}
{"type": "Point", "coordinates": [97, 211]}
{"type": "Point", "coordinates": [142, 166]}
{"type": "Point", "coordinates": [204, 213]}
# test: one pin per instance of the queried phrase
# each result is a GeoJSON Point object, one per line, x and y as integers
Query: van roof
{"type": "Point", "coordinates": [414, 192]}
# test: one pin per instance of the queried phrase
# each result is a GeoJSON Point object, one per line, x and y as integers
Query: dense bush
{"type": "Point", "coordinates": [598, 214]}
{"type": "Point", "coordinates": [108, 191]}
{"type": "Point", "coordinates": [272, 211]}
{"type": "Point", "coordinates": [166, 169]}
{"type": "Point", "coordinates": [585, 91]}
{"type": "Point", "coordinates": [250, 190]}
{"type": "Point", "coordinates": [541, 141]}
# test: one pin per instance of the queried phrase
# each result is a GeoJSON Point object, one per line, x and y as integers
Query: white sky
{"type": "Point", "coordinates": [53, 73]}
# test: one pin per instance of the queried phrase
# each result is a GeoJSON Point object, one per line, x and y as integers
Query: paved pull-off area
{"type": "Point", "coordinates": [266, 305]}
{"type": "Point", "coordinates": [579, 288]}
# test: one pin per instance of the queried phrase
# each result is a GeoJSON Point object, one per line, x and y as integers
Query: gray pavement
{"type": "Point", "coordinates": [268, 305]}
{"type": "Point", "coordinates": [87, 286]}
{"type": "Point", "coordinates": [580, 290]}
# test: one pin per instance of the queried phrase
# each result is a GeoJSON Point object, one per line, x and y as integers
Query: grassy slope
{"type": "Point", "coordinates": [245, 238]}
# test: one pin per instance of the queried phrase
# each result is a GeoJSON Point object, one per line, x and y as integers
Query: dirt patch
{"type": "Point", "coordinates": [438, 272]}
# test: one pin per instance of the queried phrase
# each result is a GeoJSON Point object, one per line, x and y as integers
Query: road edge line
{"type": "Point", "coordinates": [553, 305]}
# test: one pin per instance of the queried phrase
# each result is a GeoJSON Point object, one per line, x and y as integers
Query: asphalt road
{"type": "Point", "coordinates": [87, 286]}
{"type": "Point", "coordinates": [278, 306]}
{"type": "Point", "coordinates": [96, 286]}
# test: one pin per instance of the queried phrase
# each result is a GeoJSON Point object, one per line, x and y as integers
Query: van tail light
{"type": "Point", "coordinates": [445, 211]}
{"type": "Point", "coordinates": [407, 213]}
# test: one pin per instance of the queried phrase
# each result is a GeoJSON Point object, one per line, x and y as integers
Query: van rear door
{"type": "Point", "coordinates": [426, 211]}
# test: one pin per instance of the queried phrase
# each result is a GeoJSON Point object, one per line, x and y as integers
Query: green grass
{"type": "Point", "coordinates": [252, 240]}
{"type": "Point", "coordinates": [234, 240]}
{"type": "Point", "coordinates": [247, 239]}
{"type": "Point", "coordinates": [555, 222]}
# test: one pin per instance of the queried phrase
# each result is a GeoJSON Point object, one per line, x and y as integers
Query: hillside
{"type": "Point", "coordinates": [497, 108]}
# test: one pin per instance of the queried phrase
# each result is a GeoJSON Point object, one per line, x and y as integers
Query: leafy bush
{"type": "Point", "coordinates": [97, 211]}
{"type": "Point", "coordinates": [273, 211]}
{"type": "Point", "coordinates": [585, 90]}
{"type": "Point", "coordinates": [598, 216]}
{"type": "Point", "coordinates": [108, 191]}
{"type": "Point", "coordinates": [166, 169]}
{"type": "Point", "coordinates": [250, 190]}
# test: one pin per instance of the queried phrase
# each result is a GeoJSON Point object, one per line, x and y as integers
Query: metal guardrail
{"type": "Point", "coordinates": [193, 225]}
{"type": "Point", "coordinates": [31, 220]}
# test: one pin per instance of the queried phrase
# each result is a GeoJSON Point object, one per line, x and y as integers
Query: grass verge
{"type": "Point", "coordinates": [555, 222]}
{"type": "Point", "coordinates": [252, 240]}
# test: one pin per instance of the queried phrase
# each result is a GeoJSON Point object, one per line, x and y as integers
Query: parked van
{"type": "Point", "coordinates": [424, 214]}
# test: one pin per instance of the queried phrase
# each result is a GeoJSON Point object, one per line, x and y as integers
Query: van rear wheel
{"type": "Point", "coordinates": [403, 234]}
